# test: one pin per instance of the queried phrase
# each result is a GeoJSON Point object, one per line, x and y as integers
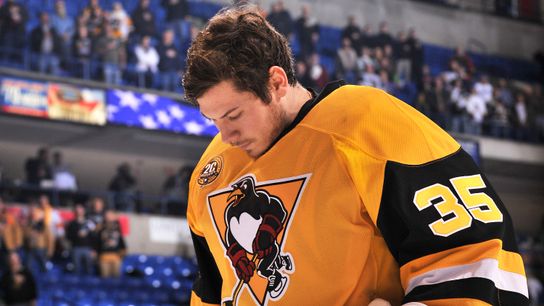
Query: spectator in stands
{"type": "Point", "coordinates": [177, 14]}
{"type": "Point", "coordinates": [484, 89]}
{"type": "Point", "coordinates": [65, 27]}
{"type": "Point", "coordinates": [96, 18]}
{"type": "Point", "coordinates": [38, 168]}
{"type": "Point", "coordinates": [417, 57]}
{"type": "Point", "coordinates": [38, 239]}
{"type": "Point", "coordinates": [79, 233]}
{"type": "Point", "coordinates": [464, 61]}
{"type": "Point", "coordinates": [454, 72]}
{"type": "Point", "coordinates": [458, 114]}
{"type": "Point", "coordinates": [353, 33]}
{"type": "Point", "coordinates": [499, 121]}
{"type": "Point", "coordinates": [52, 218]}
{"type": "Point", "coordinates": [111, 246]}
{"type": "Point", "coordinates": [83, 20]}
{"type": "Point", "coordinates": [427, 79]}
{"type": "Point", "coordinates": [383, 37]}
{"type": "Point", "coordinates": [386, 82]}
{"type": "Point", "coordinates": [317, 72]}
{"type": "Point", "coordinates": [96, 212]}
{"type": "Point", "coordinates": [47, 45]}
{"type": "Point", "coordinates": [403, 56]}
{"type": "Point", "coordinates": [378, 56]}
{"type": "Point", "coordinates": [170, 62]}
{"type": "Point", "coordinates": [476, 109]}
{"type": "Point", "coordinates": [437, 98]}
{"type": "Point", "coordinates": [303, 76]}
{"type": "Point", "coordinates": [144, 20]}
{"type": "Point", "coordinates": [346, 62]}
{"type": "Point", "coordinates": [280, 18]}
{"type": "Point", "coordinates": [368, 39]}
{"type": "Point", "coordinates": [389, 52]}
{"type": "Point", "coordinates": [11, 234]}
{"type": "Point", "coordinates": [307, 30]}
{"type": "Point", "coordinates": [521, 117]}
{"type": "Point", "coordinates": [538, 106]}
{"type": "Point", "coordinates": [504, 93]}
{"type": "Point", "coordinates": [386, 65]}
{"type": "Point", "coordinates": [63, 177]}
{"type": "Point", "coordinates": [18, 284]}
{"type": "Point", "coordinates": [109, 49]}
{"type": "Point", "coordinates": [370, 77]}
{"type": "Point", "coordinates": [147, 61]}
{"type": "Point", "coordinates": [13, 21]}
{"type": "Point", "coordinates": [120, 21]}
{"type": "Point", "coordinates": [535, 108]}
{"type": "Point", "coordinates": [365, 59]}
{"type": "Point", "coordinates": [175, 191]}
{"type": "Point", "coordinates": [82, 49]}
{"type": "Point", "coordinates": [123, 184]}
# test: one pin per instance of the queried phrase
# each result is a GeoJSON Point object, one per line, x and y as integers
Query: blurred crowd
{"type": "Point", "coordinates": [32, 236]}
{"type": "Point", "coordinates": [137, 48]}
{"type": "Point", "coordinates": [57, 179]}
{"type": "Point", "coordinates": [128, 47]}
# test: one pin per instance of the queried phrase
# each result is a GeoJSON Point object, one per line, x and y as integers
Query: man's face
{"type": "Point", "coordinates": [243, 119]}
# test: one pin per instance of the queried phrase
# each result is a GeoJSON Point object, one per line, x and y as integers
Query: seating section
{"type": "Point", "coordinates": [437, 57]}
{"type": "Point", "coordinates": [145, 281]}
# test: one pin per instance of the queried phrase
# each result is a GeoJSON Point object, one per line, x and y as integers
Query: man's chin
{"type": "Point", "coordinates": [253, 153]}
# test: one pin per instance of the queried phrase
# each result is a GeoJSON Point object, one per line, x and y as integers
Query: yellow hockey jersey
{"type": "Point", "coordinates": [362, 197]}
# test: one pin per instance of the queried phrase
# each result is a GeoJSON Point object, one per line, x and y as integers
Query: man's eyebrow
{"type": "Point", "coordinates": [225, 115]}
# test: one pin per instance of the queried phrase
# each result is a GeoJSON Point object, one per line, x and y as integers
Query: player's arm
{"type": "Point", "coordinates": [450, 234]}
{"type": "Point", "coordinates": [207, 285]}
{"type": "Point", "coordinates": [271, 226]}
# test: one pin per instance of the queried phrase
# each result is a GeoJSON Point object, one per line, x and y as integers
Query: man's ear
{"type": "Point", "coordinates": [277, 81]}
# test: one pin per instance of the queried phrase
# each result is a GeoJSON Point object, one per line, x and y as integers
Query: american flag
{"type": "Point", "coordinates": [153, 112]}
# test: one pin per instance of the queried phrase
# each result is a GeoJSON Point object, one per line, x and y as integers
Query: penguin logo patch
{"type": "Point", "coordinates": [252, 220]}
{"type": "Point", "coordinates": [211, 171]}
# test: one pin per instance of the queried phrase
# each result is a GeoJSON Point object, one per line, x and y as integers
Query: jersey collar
{"type": "Point", "coordinates": [308, 106]}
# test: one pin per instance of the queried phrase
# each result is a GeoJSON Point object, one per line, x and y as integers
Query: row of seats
{"type": "Point", "coordinates": [145, 281]}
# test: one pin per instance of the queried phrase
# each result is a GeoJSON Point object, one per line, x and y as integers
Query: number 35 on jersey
{"type": "Point", "coordinates": [459, 207]}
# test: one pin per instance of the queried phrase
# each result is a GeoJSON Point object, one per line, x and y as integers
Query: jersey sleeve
{"type": "Point", "coordinates": [450, 234]}
{"type": "Point", "coordinates": [208, 281]}
{"type": "Point", "coordinates": [442, 221]}
{"type": "Point", "coordinates": [207, 285]}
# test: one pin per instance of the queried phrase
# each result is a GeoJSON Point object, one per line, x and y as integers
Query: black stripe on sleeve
{"type": "Point", "coordinates": [406, 229]}
{"type": "Point", "coordinates": [475, 288]}
{"type": "Point", "coordinates": [208, 281]}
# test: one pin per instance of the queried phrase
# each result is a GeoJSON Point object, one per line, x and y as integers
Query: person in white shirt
{"type": "Point", "coordinates": [120, 21]}
{"type": "Point", "coordinates": [371, 78]}
{"type": "Point", "coordinates": [458, 107]}
{"type": "Point", "coordinates": [522, 122]}
{"type": "Point", "coordinates": [147, 61]}
{"type": "Point", "coordinates": [476, 108]}
{"type": "Point", "coordinates": [346, 61]}
{"type": "Point", "coordinates": [484, 89]}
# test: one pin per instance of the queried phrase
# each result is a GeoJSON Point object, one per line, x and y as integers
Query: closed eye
{"type": "Point", "coordinates": [232, 118]}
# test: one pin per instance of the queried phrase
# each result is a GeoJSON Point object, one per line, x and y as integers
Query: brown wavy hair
{"type": "Point", "coordinates": [237, 44]}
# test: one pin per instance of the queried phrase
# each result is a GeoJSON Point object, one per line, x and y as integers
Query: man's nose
{"type": "Point", "coordinates": [229, 134]}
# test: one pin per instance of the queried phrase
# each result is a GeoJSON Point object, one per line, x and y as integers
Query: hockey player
{"type": "Point", "coordinates": [377, 202]}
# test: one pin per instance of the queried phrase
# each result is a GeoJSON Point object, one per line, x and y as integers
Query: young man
{"type": "Point", "coordinates": [337, 199]}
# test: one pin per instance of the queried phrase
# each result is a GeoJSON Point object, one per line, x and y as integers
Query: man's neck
{"type": "Point", "coordinates": [297, 96]}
